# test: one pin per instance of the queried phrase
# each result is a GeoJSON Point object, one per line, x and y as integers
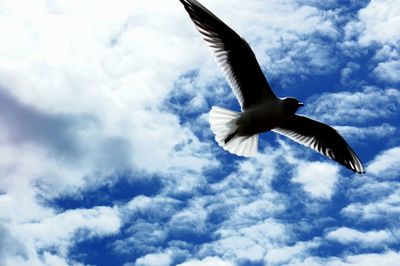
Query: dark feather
{"type": "Point", "coordinates": [233, 55]}
{"type": "Point", "coordinates": [321, 138]}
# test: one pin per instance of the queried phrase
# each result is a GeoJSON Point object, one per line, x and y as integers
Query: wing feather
{"type": "Point", "coordinates": [321, 138]}
{"type": "Point", "coordinates": [233, 55]}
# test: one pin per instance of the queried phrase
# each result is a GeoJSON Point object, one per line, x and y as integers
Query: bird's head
{"type": "Point", "coordinates": [291, 105]}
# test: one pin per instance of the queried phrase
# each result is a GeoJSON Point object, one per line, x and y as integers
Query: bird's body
{"type": "Point", "coordinates": [237, 132]}
{"type": "Point", "coordinates": [263, 117]}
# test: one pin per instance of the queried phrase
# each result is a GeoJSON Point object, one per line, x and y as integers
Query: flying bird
{"type": "Point", "coordinates": [262, 110]}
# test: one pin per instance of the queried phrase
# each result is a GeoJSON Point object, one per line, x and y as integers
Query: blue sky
{"type": "Point", "coordinates": [108, 158]}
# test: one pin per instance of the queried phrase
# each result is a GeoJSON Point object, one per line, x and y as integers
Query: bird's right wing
{"type": "Point", "coordinates": [233, 55]}
{"type": "Point", "coordinates": [321, 138]}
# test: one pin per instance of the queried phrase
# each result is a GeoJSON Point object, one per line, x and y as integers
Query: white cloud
{"type": "Point", "coordinates": [208, 261]}
{"type": "Point", "coordinates": [388, 71]}
{"type": "Point", "coordinates": [387, 52]}
{"type": "Point", "coordinates": [367, 133]}
{"type": "Point", "coordinates": [380, 19]}
{"type": "Point", "coordinates": [389, 258]}
{"type": "Point", "coordinates": [385, 207]}
{"type": "Point", "coordinates": [150, 206]}
{"type": "Point", "coordinates": [386, 164]}
{"type": "Point", "coordinates": [318, 179]}
{"type": "Point", "coordinates": [190, 220]}
{"type": "Point", "coordinates": [150, 226]}
{"type": "Point", "coordinates": [347, 235]}
{"type": "Point", "coordinates": [143, 237]}
{"type": "Point", "coordinates": [10, 246]}
{"type": "Point", "coordinates": [283, 255]}
{"type": "Point", "coordinates": [376, 25]}
{"type": "Point", "coordinates": [58, 230]}
{"type": "Point", "coordinates": [238, 242]}
{"type": "Point", "coordinates": [161, 259]}
{"type": "Point", "coordinates": [355, 107]}
{"type": "Point", "coordinates": [61, 231]}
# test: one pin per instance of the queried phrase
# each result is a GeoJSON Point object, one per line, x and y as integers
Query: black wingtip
{"type": "Point", "coordinates": [361, 171]}
{"type": "Point", "coordinates": [355, 163]}
{"type": "Point", "coordinates": [189, 2]}
{"type": "Point", "coordinates": [185, 3]}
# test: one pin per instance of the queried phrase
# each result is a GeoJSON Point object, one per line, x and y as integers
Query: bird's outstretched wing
{"type": "Point", "coordinates": [233, 55]}
{"type": "Point", "coordinates": [321, 138]}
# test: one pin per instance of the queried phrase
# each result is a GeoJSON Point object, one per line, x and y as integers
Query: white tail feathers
{"type": "Point", "coordinates": [223, 124]}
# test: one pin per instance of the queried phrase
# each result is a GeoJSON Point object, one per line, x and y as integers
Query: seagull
{"type": "Point", "coordinates": [262, 110]}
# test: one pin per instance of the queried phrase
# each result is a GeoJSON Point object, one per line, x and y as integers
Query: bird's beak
{"type": "Point", "coordinates": [301, 104]}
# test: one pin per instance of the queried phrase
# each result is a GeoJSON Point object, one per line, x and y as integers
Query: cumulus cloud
{"type": "Point", "coordinates": [10, 246]}
{"type": "Point", "coordinates": [379, 19]}
{"type": "Point", "coordinates": [283, 255]}
{"type": "Point", "coordinates": [373, 211]}
{"type": "Point", "coordinates": [387, 52]}
{"type": "Point", "coordinates": [388, 71]}
{"type": "Point", "coordinates": [56, 234]}
{"type": "Point", "coordinates": [351, 236]}
{"type": "Point", "coordinates": [386, 164]}
{"type": "Point", "coordinates": [317, 178]}
{"type": "Point", "coordinates": [59, 229]}
{"type": "Point", "coordinates": [161, 259]}
{"type": "Point", "coordinates": [367, 259]}
{"type": "Point", "coordinates": [388, 258]}
{"type": "Point", "coordinates": [208, 261]}
{"type": "Point", "coordinates": [362, 133]}
{"type": "Point", "coordinates": [248, 243]}
{"type": "Point", "coordinates": [376, 26]}
{"type": "Point", "coordinates": [368, 104]}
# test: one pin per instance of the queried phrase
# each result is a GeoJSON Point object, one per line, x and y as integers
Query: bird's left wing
{"type": "Point", "coordinates": [321, 138]}
{"type": "Point", "coordinates": [233, 55]}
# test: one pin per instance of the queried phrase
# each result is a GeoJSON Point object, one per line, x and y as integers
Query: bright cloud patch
{"type": "Point", "coordinates": [379, 19]}
{"type": "Point", "coordinates": [154, 259]}
{"type": "Point", "coordinates": [351, 236]}
{"type": "Point", "coordinates": [388, 71]}
{"type": "Point", "coordinates": [386, 164]}
{"type": "Point", "coordinates": [356, 107]}
{"type": "Point", "coordinates": [363, 133]}
{"type": "Point", "coordinates": [376, 26]}
{"type": "Point", "coordinates": [249, 243]}
{"type": "Point", "coordinates": [208, 261]}
{"type": "Point", "coordinates": [317, 178]}
{"type": "Point", "coordinates": [58, 233]}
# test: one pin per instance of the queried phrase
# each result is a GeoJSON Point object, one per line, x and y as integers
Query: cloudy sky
{"type": "Point", "coordinates": [107, 157]}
